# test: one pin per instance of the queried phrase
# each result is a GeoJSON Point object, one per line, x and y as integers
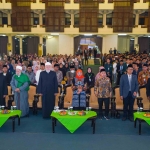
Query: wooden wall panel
{"type": "Point", "coordinates": [148, 20]}
{"type": "Point", "coordinates": [88, 16]}
{"type": "Point", "coordinates": [123, 16]}
{"type": "Point", "coordinates": [54, 16]}
{"type": "Point", "coordinates": [21, 15]}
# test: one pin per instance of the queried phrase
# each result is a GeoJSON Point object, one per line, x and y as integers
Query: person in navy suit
{"type": "Point", "coordinates": [128, 92]}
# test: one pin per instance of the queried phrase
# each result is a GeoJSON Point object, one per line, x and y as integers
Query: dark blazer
{"type": "Point", "coordinates": [124, 85]}
{"type": "Point", "coordinates": [118, 69]}
{"type": "Point", "coordinates": [148, 88]}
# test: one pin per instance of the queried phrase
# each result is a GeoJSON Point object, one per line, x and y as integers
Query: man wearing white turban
{"type": "Point", "coordinates": [20, 86]}
{"type": "Point", "coordinates": [48, 87]}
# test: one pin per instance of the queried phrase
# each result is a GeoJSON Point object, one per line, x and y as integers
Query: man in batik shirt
{"type": "Point", "coordinates": [103, 91]}
{"type": "Point", "coordinates": [143, 75]}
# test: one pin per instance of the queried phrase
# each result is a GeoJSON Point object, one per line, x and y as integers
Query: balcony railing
{"type": "Point", "coordinates": [10, 1]}
{"type": "Point", "coordinates": [66, 1]}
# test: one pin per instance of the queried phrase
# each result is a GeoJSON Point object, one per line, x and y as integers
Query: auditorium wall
{"type": "Point", "coordinates": [62, 44]}
{"type": "Point", "coordinates": [109, 41]}
{"type": "Point", "coordinates": [66, 44]}
{"type": "Point", "coordinates": [123, 43]}
{"type": "Point", "coordinates": [52, 45]}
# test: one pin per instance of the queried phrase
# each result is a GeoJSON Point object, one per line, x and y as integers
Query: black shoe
{"type": "Point", "coordinates": [124, 119]}
{"type": "Point", "coordinates": [106, 117]}
{"type": "Point", "coordinates": [131, 119]}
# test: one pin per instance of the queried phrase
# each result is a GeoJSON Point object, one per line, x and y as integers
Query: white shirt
{"type": "Point", "coordinates": [114, 68]}
{"type": "Point", "coordinates": [37, 76]}
{"type": "Point", "coordinates": [130, 78]}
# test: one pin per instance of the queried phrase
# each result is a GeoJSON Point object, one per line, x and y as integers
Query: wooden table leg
{"type": "Point", "coordinates": [139, 127]}
{"type": "Point", "coordinates": [18, 121]}
{"type": "Point", "coordinates": [94, 126]}
{"type": "Point", "coordinates": [53, 125]}
{"type": "Point", "coordinates": [135, 123]}
{"type": "Point", "coordinates": [92, 122]}
{"type": "Point", "coordinates": [13, 124]}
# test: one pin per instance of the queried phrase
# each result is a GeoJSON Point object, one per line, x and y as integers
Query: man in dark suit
{"type": "Point", "coordinates": [7, 75]}
{"type": "Point", "coordinates": [136, 69]}
{"type": "Point", "coordinates": [128, 92]}
{"type": "Point", "coordinates": [108, 67]}
{"type": "Point", "coordinates": [120, 71]}
{"type": "Point", "coordinates": [3, 89]}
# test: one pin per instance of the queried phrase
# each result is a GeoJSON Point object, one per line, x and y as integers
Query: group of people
{"type": "Point", "coordinates": [47, 73]}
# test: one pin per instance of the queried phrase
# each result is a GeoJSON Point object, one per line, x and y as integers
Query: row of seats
{"type": "Point", "coordinates": [92, 101]}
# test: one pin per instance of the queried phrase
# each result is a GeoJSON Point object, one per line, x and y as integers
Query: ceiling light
{"type": "Point", "coordinates": [122, 34]}
{"type": "Point", "coordinates": [54, 33]}
{"type": "Point", "coordinates": [87, 34]}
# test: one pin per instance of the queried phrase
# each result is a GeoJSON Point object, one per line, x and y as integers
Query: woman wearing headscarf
{"type": "Point", "coordinates": [79, 91]}
{"type": "Point", "coordinates": [90, 79]}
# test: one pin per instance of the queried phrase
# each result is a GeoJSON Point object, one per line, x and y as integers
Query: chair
{"type": "Point", "coordinates": [31, 93]}
{"type": "Point", "coordinates": [7, 97]}
{"type": "Point", "coordinates": [57, 97]}
{"type": "Point", "coordinates": [93, 102]}
{"type": "Point", "coordinates": [145, 101]}
{"type": "Point", "coordinates": [119, 102]}
{"type": "Point", "coordinates": [68, 97]}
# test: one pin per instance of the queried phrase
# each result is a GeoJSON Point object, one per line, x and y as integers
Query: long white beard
{"type": "Point", "coordinates": [47, 71]}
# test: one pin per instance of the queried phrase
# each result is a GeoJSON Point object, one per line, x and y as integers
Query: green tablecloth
{"type": "Point", "coordinates": [5, 117]}
{"type": "Point", "coordinates": [72, 123]}
{"type": "Point", "coordinates": [140, 115]}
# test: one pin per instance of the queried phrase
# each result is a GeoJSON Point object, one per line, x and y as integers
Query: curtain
{"type": "Point", "coordinates": [143, 44]}
{"type": "Point", "coordinates": [32, 45]}
{"type": "Point", "coordinates": [76, 43]}
{"type": "Point", "coordinates": [3, 44]}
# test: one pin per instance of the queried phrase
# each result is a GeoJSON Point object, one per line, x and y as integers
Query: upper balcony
{"type": "Point", "coordinates": [74, 4]}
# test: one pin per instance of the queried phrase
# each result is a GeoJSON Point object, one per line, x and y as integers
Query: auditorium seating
{"type": "Point", "coordinates": [93, 102]}
{"type": "Point", "coordinates": [68, 97]}
{"type": "Point", "coordinates": [9, 93]}
{"type": "Point", "coordinates": [145, 101]}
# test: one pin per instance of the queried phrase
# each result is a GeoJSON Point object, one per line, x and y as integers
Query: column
{"type": "Point", "coordinates": [9, 45]}
{"type": "Point", "coordinates": [40, 19]}
{"type": "Point", "coordinates": [20, 42]}
{"type": "Point", "coordinates": [9, 18]}
{"type": "Point", "coordinates": [40, 48]}
{"type": "Point", "coordinates": [136, 45]}
{"type": "Point", "coordinates": [104, 19]}
{"type": "Point", "coordinates": [72, 20]}
{"type": "Point", "coordinates": [136, 19]}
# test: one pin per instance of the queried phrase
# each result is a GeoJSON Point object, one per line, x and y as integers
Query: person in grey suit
{"type": "Point", "coordinates": [128, 92]}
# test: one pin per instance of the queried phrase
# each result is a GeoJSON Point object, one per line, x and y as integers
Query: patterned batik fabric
{"type": "Point", "coordinates": [103, 86]}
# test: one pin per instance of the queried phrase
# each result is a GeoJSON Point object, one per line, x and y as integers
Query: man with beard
{"type": "Point", "coordinates": [48, 88]}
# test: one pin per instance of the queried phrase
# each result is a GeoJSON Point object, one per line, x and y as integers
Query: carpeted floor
{"type": "Point", "coordinates": [35, 133]}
